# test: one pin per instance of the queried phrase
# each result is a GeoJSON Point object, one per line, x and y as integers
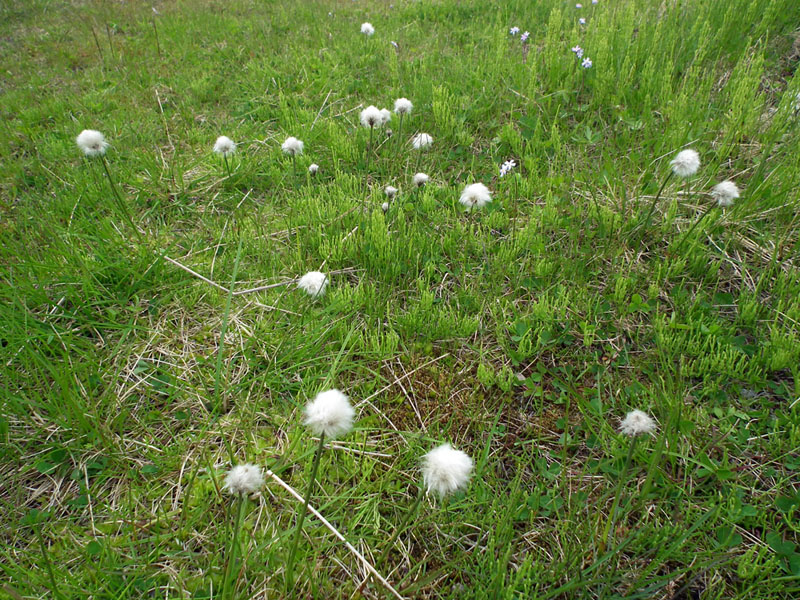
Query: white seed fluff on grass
{"type": "Point", "coordinates": [292, 146]}
{"type": "Point", "coordinates": [390, 191]}
{"type": "Point", "coordinates": [421, 141]}
{"type": "Point", "coordinates": [403, 106]}
{"type": "Point", "coordinates": [224, 145]}
{"type": "Point", "coordinates": [420, 179]}
{"type": "Point", "coordinates": [371, 117]}
{"type": "Point", "coordinates": [313, 168]}
{"type": "Point", "coordinates": [367, 29]}
{"type": "Point", "coordinates": [636, 423]}
{"type": "Point", "coordinates": [385, 206]}
{"type": "Point", "coordinates": [685, 163]}
{"type": "Point", "coordinates": [313, 283]}
{"type": "Point", "coordinates": [725, 193]}
{"type": "Point", "coordinates": [244, 479]}
{"type": "Point", "coordinates": [330, 413]}
{"type": "Point", "coordinates": [446, 470]}
{"type": "Point", "coordinates": [475, 195]}
{"type": "Point", "coordinates": [386, 115]}
{"type": "Point", "coordinates": [91, 142]}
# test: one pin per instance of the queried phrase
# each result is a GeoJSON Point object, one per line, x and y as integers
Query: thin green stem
{"type": "Point", "coordinates": [120, 203]}
{"type": "Point", "coordinates": [400, 130]}
{"type": "Point", "coordinates": [302, 517]}
{"type": "Point", "coordinates": [693, 227]}
{"type": "Point", "coordinates": [369, 147]}
{"type": "Point", "coordinates": [612, 517]}
{"type": "Point", "coordinates": [227, 166]}
{"type": "Point", "coordinates": [230, 568]}
{"type": "Point", "coordinates": [399, 530]}
{"type": "Point", "coordinates": [48, 564]}
{"type": "Point", "coordinates": [224, 330]}
{"type": "Point", "coordinates": [655, 200]}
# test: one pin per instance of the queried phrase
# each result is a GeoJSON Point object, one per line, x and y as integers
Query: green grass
{"type": "Point", "coordinates": [521, 333]}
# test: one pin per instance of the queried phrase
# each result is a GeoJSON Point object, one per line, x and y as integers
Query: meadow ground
{"type": "Point", "coordinates": [521, 333]}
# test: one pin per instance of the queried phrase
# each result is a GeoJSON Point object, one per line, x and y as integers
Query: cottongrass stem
{"type": "Point", "coordinates": [328, 415]}
{"type": "Point", "coordinates": [225, 146]}
{"type": "Point", "coordinates": [685, 164]}
{"type": "Point", "coordinates": [241, 481]}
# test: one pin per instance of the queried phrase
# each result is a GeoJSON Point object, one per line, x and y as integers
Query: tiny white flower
{"type": "Point", "coordinates": [244, 479]}
{"type": "Point", "coordinates": [507, 167]}
{"type": "Point", "coordinates": [385, 206]}
{"type": "Point", "coordinates": [524, 37]}
{"type": "Point", "coordinates": [578, 51]}
{"type": "Point", "coordinates": [224, 145]}
{"type": "Point", "coordinates": [582, 21]}
{"type": "Point", "coordinates": [637, 422]}
{"type": "Point", "coordinates": [371, 117]}
{"type": "Point", "coordinates": [446, 470]}
{"type": "Point", "coordinates": [313, 283]}
{"type": "Point", "coordinates": [403, 106]}
{"type": "Point", "coordinates": [725, 193]}
{"type": "Point", "coordinates": [685, 163]}
{"type": "Point", "coordinates": [292, 146]}
{"type": "Point", "coordinates": [421, 141]}
{"type": "Point", "coordinates": [390, 191]}
{"type": "Point", "coordinates": [513, 31]}
{"type": "Point", "coordinates": [587, 63]}
{"type": "Point", "coordinates": [475, 195]}
{"type": "Point", "coordinates": [330, 413]}
{"type": "Point", "coordinates": [386, 116]}
{"type": "Point", "coordinates": [595, 1]}
{"type": "Point", "coordinates": [313, 168]}
{"type": "Point", "coordinates": [367, 29]}
{"type": "Point", "coordinates": [579, 6]}
{"type": "Point", "coordinates": [420, 179]}
{"type": "Point", "coordinates": [92, 142]}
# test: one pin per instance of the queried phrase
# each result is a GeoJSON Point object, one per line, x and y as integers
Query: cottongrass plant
{"type": "Point", "coordinates": [724, 195]}
{"type": "Point", "coordinates": [313, 283]}
{"type": "Point", "coordinates": [241, 482]}
{"type": "Point", "coordinates": [390, 192]}
{"type": "Point", "coordinates": [635, 424]}
{"type": "Point", "coordinates": [93, 144]}
{"type": "Point", "coordinates": [313, 168]}
{"type": "Point", "coordinates": [445, 471]}
{"type": "Point", "coordinates": [367, 29]}
{"type": "Point", "coordinates": [293, 147]}
{"type": "Point", "coordinates": [420, 179]}
{"type": "Point", "coordinates": [402, 107]}
{"type": "Point", "coordinates": [371, 117]}
{"type": "Point", "coordinates": [420, 142]}
{"type": "Point", "coordinates": [685, 164]}
{"type": "Point", "coordinates": [329, 415]}
{"type": "Point", "coordinates": [225, 146]}
{"type": "Point", "coordinates": [475, 195]}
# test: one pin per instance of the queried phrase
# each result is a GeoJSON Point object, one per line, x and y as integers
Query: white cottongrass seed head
{"type": "Point", "coordinates": [385, 206]}
{"type": "Point", "coordinates": [330, 413]}
{"type": "Point", "coordinates": [475, 195]}
{"type": "Point", "coordinates": [403, 106]}
{"type": "Point", "coordinates": [367, 29]}
{"type": "Point", "coordinates": [91, 142]}
{"type": "Point", "coordinates": [390, 191]}
{"type": "Point", "coordinates": [386, 116]}
{"type": "Point", "coordinates": [725, 193]}
{"type": "Point", "coordinates": [685, 163]}
{"type": "Point", "coordinates": [446, 470]}
{"type": "Point", "coordinates": [636, 423]}
{"type": "Point", "coordinates": [420, 179]}
{"type": "Point", "coordinates": [224, 145]}
{"type": "Point", "coordinates": [292, 146]}
{"type": "Point", "coordinates": [313, 168]}
{"type": "Point", "coordinates": [244, 479]}
{"type": "Point", "coordinates": [422, 141]}
{"type": "Point", "coordinates": [371, 117]}
{"type": "Point", "coordinates": [313, 283]}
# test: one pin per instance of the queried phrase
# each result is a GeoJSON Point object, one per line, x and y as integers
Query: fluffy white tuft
{"type": "Point", "coordinates": [371, 117]}
{"type": "Point", "coordinates": [446, 470]}
{"type": "Point", "coordinates": [403, 106]}
{"type": "Point", "coordinates": [367, 29]}
{"type": "Point", "coordinates": [330, 414]}
{"type": "Point", "coordinates": [244, 479]}
{"type": "Point", "coordinates": [385, 206]}
{"type": "Point", "coordinates": [475, 195]}
{"type": "Point", "coordinates": [420, 179]}
{"type": "Point", "coordinates": [224, 145]}
{"type": "Point", "coordinates": [91, 142]}
{"type": "Point", "coordinates": [313, 283]}
{"type": "Point", "coordinates": [725, 193]}
{"type": "Point", "coordinates": [686, 163]}
{"type": "Point", "coordinates": [390, 191]}
{"type": "Point", "coordinates": [421, 141]}
{"type": "Point", "coordinates": [637, 422]}
{"type": "Point", "coordinates": [313, 168]}
{"type": "Point", "coordinates": [292, 146]}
